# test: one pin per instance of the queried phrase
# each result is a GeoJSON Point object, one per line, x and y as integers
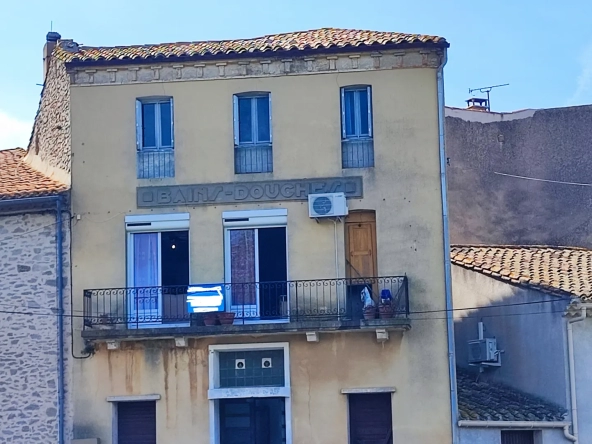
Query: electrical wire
{"type": "Point", "coordinates": [485, 307]}
{"type": "Point", "coordinates": [518, 176]}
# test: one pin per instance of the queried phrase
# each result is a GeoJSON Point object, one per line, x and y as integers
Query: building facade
{"type": "Point", "coordinates": [533, 302]}
{"type": "Point", "coordinates": [35, 401]}
{"type": "Point", "coordinates": [286, 182]}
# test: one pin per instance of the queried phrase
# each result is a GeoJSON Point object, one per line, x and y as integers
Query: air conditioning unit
{"type": "Point", "coordinates": [327, 205]}
{"type": "Point", "coordinates": [483, 351]}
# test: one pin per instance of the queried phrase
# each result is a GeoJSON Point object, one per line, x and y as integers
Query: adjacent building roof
{"type": "Point", "coordinates": [488, 401]}
{"type": "Point", "coordinates": [563, 271]}
{"type": "Point", "coordinates": [314, 40]}
{"type": "Point", "coordinates": [19, 180]}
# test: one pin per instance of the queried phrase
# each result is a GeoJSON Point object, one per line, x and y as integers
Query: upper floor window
{"type": "Point", "coordinates": [252, 133]}
{"type": "Point", "coordinates": [357, 147]}
{"type": "Point", "coordinates": [155, 137]}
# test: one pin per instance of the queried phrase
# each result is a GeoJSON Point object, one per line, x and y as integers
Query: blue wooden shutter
{"type": "Point", "coordinates": [138, 125]}
{"type": "Point", "coordinates": [235, 118]}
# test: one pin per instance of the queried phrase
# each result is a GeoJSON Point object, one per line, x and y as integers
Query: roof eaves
{"type": "Point", "coordinates": [277, 53]}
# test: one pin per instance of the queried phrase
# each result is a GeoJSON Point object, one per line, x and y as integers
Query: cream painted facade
{"type": "Point", "coordinates": [403, 188]}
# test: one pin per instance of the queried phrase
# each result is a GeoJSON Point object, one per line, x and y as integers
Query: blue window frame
{"type": "Point", "coordinates": [252, 118]}
{"type": "Point", "coordinates": [356, 112]}
{"type": "Point", "coordinates": [154, 123]}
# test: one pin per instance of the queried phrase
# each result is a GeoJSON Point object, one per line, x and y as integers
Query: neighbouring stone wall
{"type": "Point", "coordinates": [28, 329]}
{"type": "Point", "coordinates": [50, 141]}
{"type": "Point", "coordinates": [490, 205]}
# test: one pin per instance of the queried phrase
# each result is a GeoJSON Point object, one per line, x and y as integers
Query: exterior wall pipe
{"type": "Point", "coordinates": [447, 265]}
{"type": "Point", "coordinates": [60, 294]}
{"type": "Point", "coordinates": [515, 424]}
{"type": "Point", "coordinates": [573, 436]}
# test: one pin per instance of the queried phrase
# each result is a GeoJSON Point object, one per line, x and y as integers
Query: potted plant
{"type": "Point", "coordinates": [385, 308]}
{"type": "Point", "coordinates": [210, 318]}
{"type": "Point", "coordinates": [226, 317]}
{"type": "Point", "coordinates": [370, 312]}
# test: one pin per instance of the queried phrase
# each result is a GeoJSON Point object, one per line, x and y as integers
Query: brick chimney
{"type": "Point", "coordinates": [51, 41]}
{"type": "Point", "coordinates": [477, 104]}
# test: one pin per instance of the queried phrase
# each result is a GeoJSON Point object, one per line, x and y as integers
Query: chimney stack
{"type": "Point", "coordinates": [51, 41]}
{"type": "Point", "coordinates": [478, 104]}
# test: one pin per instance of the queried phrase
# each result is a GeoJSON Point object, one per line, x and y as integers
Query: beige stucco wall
{"type": "Point", "coordinates": [403, 188]}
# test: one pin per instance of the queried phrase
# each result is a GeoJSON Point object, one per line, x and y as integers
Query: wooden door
{"type": "Point", "coordinates": [136, 422]}
{"type": "Point", "coordinates": [370, 419]}
{"type": "Point", "coordinates": [360, 245]}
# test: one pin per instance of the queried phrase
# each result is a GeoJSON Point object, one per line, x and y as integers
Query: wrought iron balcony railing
{"type": "Point", "coordinates": [287, 301]}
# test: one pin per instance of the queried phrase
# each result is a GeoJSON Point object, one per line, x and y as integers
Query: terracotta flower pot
{"type": "Point", "coordinates": [210, 318]}
{"type": "Point", "coordinates": [226, 317]}
{"type": "Point", "coordinates": [385, 311]}
{"type": "Point", "coordinates": [370, 313]}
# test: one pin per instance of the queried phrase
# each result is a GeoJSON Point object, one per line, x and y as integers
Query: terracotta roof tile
{"type": "Point", "coordinates": [18, 179]}
{"type": "Point", "coordinates": [317, 39]}
{"type": "Point", "coordinates": [491, 401]}
{"type": "Point", "coordinates": [557, 270]}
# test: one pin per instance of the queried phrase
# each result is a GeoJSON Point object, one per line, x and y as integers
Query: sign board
{"type": "Point", "coordinates": [244, 192]}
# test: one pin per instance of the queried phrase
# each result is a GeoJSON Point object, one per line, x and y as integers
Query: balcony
{"type": "Point", "coordinates": [306, 306]}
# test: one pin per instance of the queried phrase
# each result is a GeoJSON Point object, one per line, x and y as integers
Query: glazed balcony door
{"type": "Point", "coordinates": [257, 269]}
{"type": "Point", "coordinates": [159, 274]}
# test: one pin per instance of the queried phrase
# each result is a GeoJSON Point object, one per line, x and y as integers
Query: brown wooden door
{"type": "Point", "coordinates": [136, 422]}
{"type": "Point", "coordinates": [370, 419]}
{"type": "Point", "coordinates": [360, 245]}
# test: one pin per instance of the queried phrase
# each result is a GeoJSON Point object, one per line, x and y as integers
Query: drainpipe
{"type": "Point", "coordinates": [447, 266]}
{"type": "Point", "coordinates": [60, 285]}
{"type": "Point", "coordinates": [573, 436]}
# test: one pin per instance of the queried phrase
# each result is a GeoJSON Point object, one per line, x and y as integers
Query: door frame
{"type": "Point", "coordinates": [215, 393]}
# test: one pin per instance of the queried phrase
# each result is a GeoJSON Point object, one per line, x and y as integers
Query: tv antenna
{"type": "Point", "coordinates": [487, 90]}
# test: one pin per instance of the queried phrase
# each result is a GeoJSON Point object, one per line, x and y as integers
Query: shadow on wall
{"type": "Point", "coordinates": [488, 208]}
{"type": "Point", "coordinates": [529, 328]}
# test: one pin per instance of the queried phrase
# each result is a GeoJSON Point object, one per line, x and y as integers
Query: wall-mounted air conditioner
{"type": "Point", "coordinates": [483, 351]}
{"type": "Point", "coordinates": [327, 205]}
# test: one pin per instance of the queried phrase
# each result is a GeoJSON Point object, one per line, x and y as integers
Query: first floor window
{"type": "Point", "coordinates": [356, 127]}
{"type": "Point", "coordinates": [370, 418]}
{"type": "Point", "coordinates": [136, 422]}
{"type": "Point", "coordinates": [252, 133]}
{"type": "Point", "coordinates": [154, 137]}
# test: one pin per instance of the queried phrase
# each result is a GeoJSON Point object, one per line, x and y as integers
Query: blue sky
{"type": "Point", "coordinates": [544, 52]}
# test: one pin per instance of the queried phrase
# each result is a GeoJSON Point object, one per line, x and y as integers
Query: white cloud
{"type": "Point", "coordinates": [13, 132]}
{"type": "Point", "coordinates": [583, 92]}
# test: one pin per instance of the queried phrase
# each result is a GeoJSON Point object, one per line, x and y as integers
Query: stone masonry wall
{"type": "Point", "coordinates": [28, 329]}
{"type": "Point", "coordinates": [50, 140]}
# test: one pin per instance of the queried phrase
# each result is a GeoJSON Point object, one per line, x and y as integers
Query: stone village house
{"type": "Point", "coordinates": [275, 180]}
{"type": "Point", "coordinates": [35, 387]}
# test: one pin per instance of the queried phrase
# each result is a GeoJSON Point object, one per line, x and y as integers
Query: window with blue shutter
{"type": "Point", "coordinates": [357, 145]}
{"type": "Point", "coordinates": [252, 133]}
{"type": "Point", "coordinates": [155, 138]}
